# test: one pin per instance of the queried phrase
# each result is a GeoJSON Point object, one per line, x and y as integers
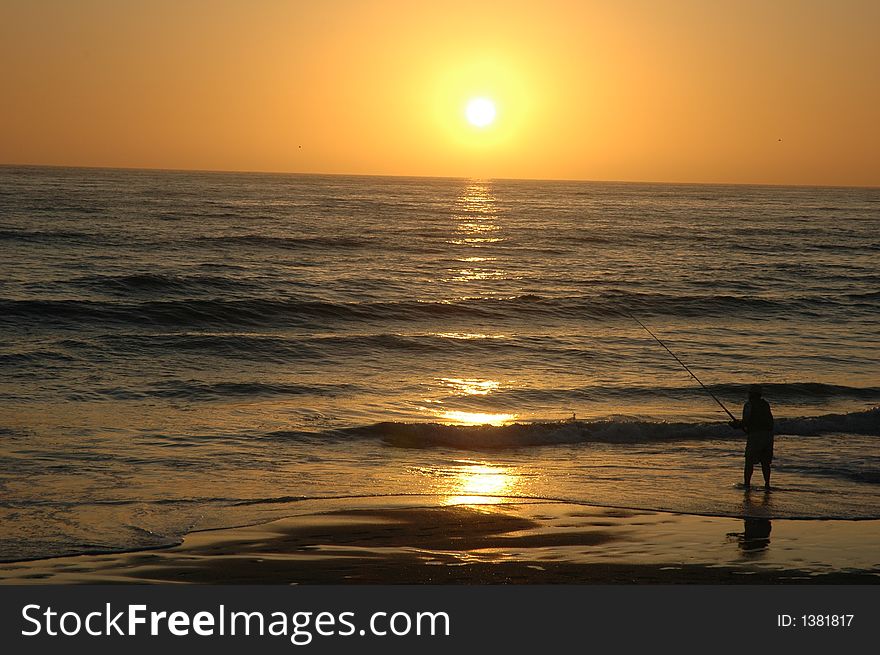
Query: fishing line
{"type": "Point", "coordinates": [657, 339]}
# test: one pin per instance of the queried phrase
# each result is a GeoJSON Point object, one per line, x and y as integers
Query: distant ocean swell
{"type": "Point", "coordinates": [507, 398]}
{"type": "Point", "coordinates": [268, 311]}
{"type": "Point", "coordinates": [511, 399]}
{"type": "Point", "coordinates": [611, 236]}
{"type": "Point", "coordinates": [205, 392]}
{"type": "Point", "coordinates": [150, 283]}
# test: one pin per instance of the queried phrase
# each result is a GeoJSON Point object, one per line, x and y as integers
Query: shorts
{"type": "Point", "coordinates": [759, 448]}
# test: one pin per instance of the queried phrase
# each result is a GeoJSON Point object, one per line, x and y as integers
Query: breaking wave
{"type": "Point", "coordinates": [615, 431]}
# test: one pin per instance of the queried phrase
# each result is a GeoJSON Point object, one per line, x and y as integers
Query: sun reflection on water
{"type": "Point", "coordinates": [476, 227]}
{"type": "Point", "coordinates": [480, 484]}
{"type": "Point", "coordinates": [476, 418]}
{"type": "Point", "coordinates": [475, 214]}
{"type": "Point", "coordinates": [467, 335]}
{"type": "Point", "coordinates": [477, 200]}
{"type": "Point", "coordinates": [467, 274]}
{"type": "Point", "coordinates": [471, 386]}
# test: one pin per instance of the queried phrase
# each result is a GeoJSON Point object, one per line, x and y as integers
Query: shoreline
{"type": "Point", "coordinates": [449, 540]}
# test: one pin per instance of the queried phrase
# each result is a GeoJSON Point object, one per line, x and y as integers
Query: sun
{"type": "Point", "coordinates": [480, 112]}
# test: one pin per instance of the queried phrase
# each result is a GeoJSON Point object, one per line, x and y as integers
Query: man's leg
{"type": "Point", "coordinates": [747, 472]}
{"type": "Point", "coordinates": [765, 469]}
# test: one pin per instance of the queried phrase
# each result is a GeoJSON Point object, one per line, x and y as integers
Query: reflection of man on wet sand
{"type": "Point", "coordinates": [757, 421]}
{"type": "Point", "coordinates": [756, 536]}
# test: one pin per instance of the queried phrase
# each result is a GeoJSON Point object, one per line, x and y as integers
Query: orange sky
{"type": "Point", "coordinates": [668, 91]}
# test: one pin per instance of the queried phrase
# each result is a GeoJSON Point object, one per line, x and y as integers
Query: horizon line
{"type": "Point", "coordinates": [434, 177]}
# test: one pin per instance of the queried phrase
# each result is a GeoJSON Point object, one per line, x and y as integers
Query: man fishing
{"type": "Point", "coordinates": [757, 421]}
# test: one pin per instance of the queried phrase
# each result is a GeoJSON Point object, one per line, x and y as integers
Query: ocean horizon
{"type": "Point", "coordinates": [291, 173]}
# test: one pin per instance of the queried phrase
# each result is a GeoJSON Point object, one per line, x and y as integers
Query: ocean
{"type": "Point", "coordinates": [186, 350]}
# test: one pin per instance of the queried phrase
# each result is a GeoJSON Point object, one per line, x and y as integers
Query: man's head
{"type": "Point", "coordinates": [755, 391]}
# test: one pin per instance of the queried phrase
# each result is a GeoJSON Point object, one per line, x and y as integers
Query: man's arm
{"type": "Point", "coordinates": [747, 412]}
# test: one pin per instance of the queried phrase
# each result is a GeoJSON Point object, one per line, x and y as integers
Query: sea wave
{"type": "Point", "coordinates": [613, 430]}
{"type": "Point", "coordinates": [332, 243]}
{"type": "Point", "coordinates": [851, 472]}
{"type": "Point", "coordinates": [257, 311]}
{"type": "Point", "coordinates": [785, 392]}
{"type": "Point", "coordinates": [194, 390]}
{"type": "Point", "coordinates": [159, 283]}
{"type": "Point", "coordinates": [67, 237]}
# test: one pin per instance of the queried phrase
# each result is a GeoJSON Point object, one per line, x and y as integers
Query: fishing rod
{"type": "Point", "coordinates": [657, 339]}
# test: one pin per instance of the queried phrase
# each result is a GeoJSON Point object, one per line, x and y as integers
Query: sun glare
{"type": "Point", "coordinates": [480, 112]}
{"type": "Point", "coordinates": [476, 418]}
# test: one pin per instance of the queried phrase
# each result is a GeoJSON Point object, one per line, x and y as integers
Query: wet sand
{"type": "Point", "coordinates": [431, 541]}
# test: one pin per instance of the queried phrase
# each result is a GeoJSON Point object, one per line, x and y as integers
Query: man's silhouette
{"type": "Point", "coordinates": [757, 421]}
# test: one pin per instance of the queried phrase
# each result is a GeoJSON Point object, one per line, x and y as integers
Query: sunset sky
{"type": "Point", "coordinates": [783, 92]}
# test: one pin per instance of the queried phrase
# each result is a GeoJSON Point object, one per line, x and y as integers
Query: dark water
{"type": "Point", "coordinates": [183, 350]}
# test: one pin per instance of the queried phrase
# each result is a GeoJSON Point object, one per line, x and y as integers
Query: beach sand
{"type": "Point", "coordinates": [447, 540]}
